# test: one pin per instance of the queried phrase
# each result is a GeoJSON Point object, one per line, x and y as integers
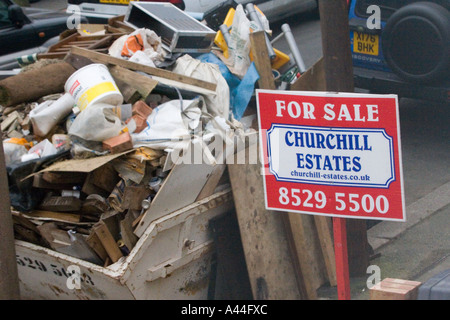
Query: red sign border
{"type": "Point", "coordinates": [397, 150]}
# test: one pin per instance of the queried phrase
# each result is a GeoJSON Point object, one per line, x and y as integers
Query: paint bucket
{"type": "Point", "coordinates": [93, 84]}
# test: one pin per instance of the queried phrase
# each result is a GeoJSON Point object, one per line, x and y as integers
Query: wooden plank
{"type": "Point", "coordinates": [314, 80]}
{"type": "Point", "coordinates": [126, 231]}
{"type": "Point", "coordinates": [324, 230]}
{"type": "Point", "coordinates": [53, 216]}
{"type": "Point", "coordinates": [143, 84]}
{"type": "Point", "coordinates": [265, 242]}
{"type": "Point", "coordinates": [107, 240]}
{"type": "Point", "coordinates": [260, 57]}
{"type": "Point", "coordinates": [104, 58]}
{"type": "Point", "coordinates": [265, 237]}
{"type": "Point", "coordinates": [309, 252]}
{"type": "Point", "coordinates": [104, 42]}
{"type": "Point", "coordinates": [52, 55]}
{"type": "Point", "coordinates": [94, 242]}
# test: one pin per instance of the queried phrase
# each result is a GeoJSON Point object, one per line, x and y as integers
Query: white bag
{"type": "Point", "coordinates": [171, 125]}
{"type": "Point", "coordinates": [216, 104]}
{"type": "Point", "coordinates": [96, 123]}
{"type": "Point", "coordinates": [152, 45]}
{"type": "Point", "coordinates": [239, 47]}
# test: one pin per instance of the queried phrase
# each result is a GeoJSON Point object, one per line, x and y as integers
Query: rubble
{"type": "Point", "coordinates": [81, 174]}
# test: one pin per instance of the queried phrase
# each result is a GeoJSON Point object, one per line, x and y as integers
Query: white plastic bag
{"type": "Point", "coordinates": [151, 46]}
{"type": "Point", "coordinates": [13, 152]}
{"type": "Point", "coordinates": [171, 125]}
{"type": "Point", "coordinates": [216, 104]}
{"type": "Point", "coordinates": [96, 123]}
{"type": "Point", "coordinates": [239, 46]}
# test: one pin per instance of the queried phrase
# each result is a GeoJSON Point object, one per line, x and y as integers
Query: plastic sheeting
{"type": "Point", "coordinates": [241, 90]}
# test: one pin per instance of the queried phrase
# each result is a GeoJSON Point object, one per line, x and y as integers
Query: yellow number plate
{"type": "Point", "coordinates": [365, 43]}
{"type": "Point", "coordinates": [116, 1]}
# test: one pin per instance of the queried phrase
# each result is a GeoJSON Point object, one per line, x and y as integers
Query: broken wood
{"type": "Point", "coordinates": [94, 242]}
{"type": "Point", "coordinates": [53, 216]}
{"type": "Point", "coordinates": [107, 240]}
{"type": "Point", "coordinates": [99, 43]}
{"type": "Point", "coordinates": [144, 85]}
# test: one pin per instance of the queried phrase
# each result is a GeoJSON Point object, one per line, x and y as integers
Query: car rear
{"type": "Point", "coordinates": [401, 46]}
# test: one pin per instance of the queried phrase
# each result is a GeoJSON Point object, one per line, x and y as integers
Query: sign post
{"type": "Point", "coordinates": [341, 257]}
{"type": "Point", "coordinates": [332, 154]}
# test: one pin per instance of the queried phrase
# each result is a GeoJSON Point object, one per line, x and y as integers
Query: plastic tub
{"type": "Point", "coordinates": [93, 84]}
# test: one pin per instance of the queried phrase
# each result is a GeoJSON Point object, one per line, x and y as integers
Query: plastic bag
{"type": "Point", "coordinates": [96, 123]}
{"type": "Point", "coordinates": [241, 90]}
{"type": "Point", "coordinates": [218, 104]}
{"type": "Point", "coordinates": [171, 124]}
{"type": "Point", "coordinates": [144, 40]}
{"type": "Point", "coordinates": [239, 46]}
{"type": "Point", "coordinates": [13, 151]}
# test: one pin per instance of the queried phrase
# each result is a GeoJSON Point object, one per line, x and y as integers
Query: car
{"type": "Point", "coordinates": [98, 11]}
{"type": "Point", "coordinates": [405, 52]}
{"type": "Point", "coordinates": [26, 30]}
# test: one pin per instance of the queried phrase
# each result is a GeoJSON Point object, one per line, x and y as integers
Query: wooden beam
{"type": "Point", "coordinates": [265, 242]}
{"type": "Point", "coordinates": [107, 240]}
{"type": "Point", "coordinates": [314, 80]}
{"type": "Point", "coordinates": [260, 56]}
{"type": "Point", "coordinates": [107, 59]}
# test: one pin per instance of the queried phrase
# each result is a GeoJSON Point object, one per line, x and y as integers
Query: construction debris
{"type": "Point", "coordinates": [100, 140]}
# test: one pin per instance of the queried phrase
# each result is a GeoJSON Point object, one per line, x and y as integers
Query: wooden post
{"type": "Point", "coordinates": [339, 77]}
{"type": "Point", "coordinates": [9, 279]}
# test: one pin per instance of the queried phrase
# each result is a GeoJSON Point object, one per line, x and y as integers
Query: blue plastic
{"type": "Point", "coordinates": [241, 90]}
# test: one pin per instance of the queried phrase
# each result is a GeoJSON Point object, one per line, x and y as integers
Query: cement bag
{"type": "Point", "coordinates": [144, 40]}
{"type": "Point", "coordinates": [171, 125]}
{"type": "Point", "coordinates": [218, 104]}
{"type": "Point", "coordinates": [97, 123]}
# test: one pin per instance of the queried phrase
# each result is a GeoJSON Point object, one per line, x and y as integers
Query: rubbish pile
{"type": "Point", "coordinates": [91, 136]}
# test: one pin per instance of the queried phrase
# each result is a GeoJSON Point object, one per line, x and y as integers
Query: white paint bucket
{"type": "Point", "coordinates": [93, 84]}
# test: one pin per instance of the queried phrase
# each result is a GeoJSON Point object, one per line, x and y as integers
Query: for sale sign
{"type": "Point", "coordinates": [334, 154]}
